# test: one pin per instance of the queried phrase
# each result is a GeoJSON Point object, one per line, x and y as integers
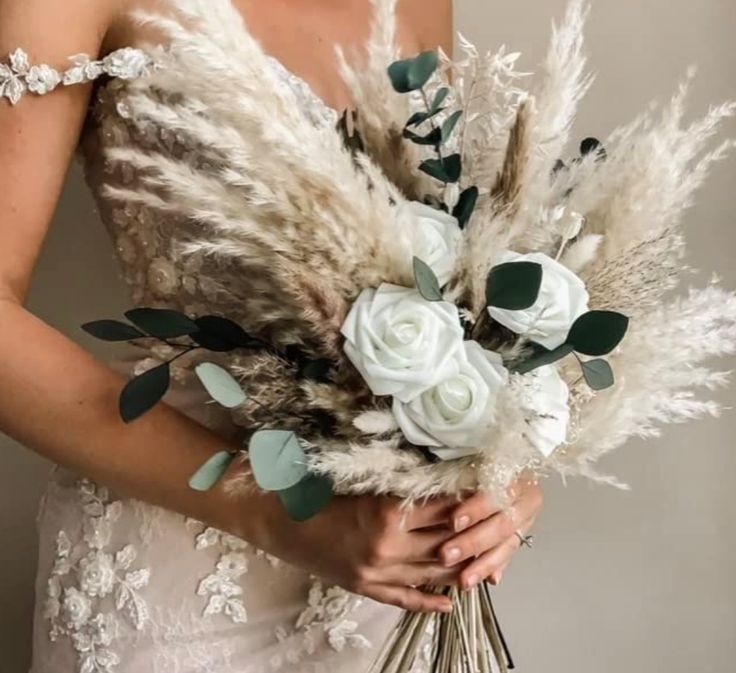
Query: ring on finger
{"type": "Point", "coordinates": [524, 540]}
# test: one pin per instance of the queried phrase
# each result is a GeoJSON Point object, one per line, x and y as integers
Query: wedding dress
{"type": "Point", "coordinates": [126, 587]}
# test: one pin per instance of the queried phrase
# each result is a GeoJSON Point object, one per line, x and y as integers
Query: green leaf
{"type": "Point", "coordinates": [209, 474]}
{"type": "Point", "coordinates": [221, 385]}
{"type": "Point", "coordinates": [143, 392]}
{"type": "Point", "coordinates": [112, 330]}
{"type": "Point", "coordinates": [398, 72]}
{"type": "Point", "coordinates": [421, 117]}
{"type": "Point", "coordinates": [162, 323]}
{"type": "Point", "coordinates": [412, 74]}
{"type": "Point", "coordinates": [447, 169]}
{"type": "Point", "coordinates": [543, 357]}
{"type": "Point", "coordinates": [598, 332]}
{"type": "Point", "coordinates": [277, 459]}
{"type": "Point", "coordinates": [465, 206]}
{"type": "Point", "coordinates": [222, 335]}
{"type": "Point", "coordinates": [434, 137]}
{"type": "Point", "coordinates": [426, 281]}
{"type": "Point", "coordinates": [598, 374]}
{"type": "Point", "coordinates": [448, 126]}
{"type": "Point", "coordinates": [513, 285]}
{"type": "Point", "coordinates": [305, 499]}
{"type": "Point", "coordinates": [421, 68]}
{"type": "Point", "coordinates": [439, 98]}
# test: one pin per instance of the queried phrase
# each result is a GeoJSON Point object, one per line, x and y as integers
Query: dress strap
{"type": "Point", "coordinates": [18, 76]}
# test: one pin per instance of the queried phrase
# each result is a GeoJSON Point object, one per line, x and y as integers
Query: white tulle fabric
{"type": "Point", "coordinates": [125, 587]}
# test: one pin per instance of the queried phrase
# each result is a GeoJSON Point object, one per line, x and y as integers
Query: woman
{"type": "Point", "coordinates": [137, 572]}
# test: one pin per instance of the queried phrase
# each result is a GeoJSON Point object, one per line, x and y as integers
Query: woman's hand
{"type": "Point", "coordinates": [487, 537]}
{"type": "Point", "coordinates": [369, 545]}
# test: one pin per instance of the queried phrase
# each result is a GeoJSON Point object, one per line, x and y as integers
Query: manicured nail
{"type": "Point", "coordinates": [462, 522]}
{"type": "Point", "coordinates": [471, 581]}
{"type": "Point", "coordinates": [452, 554]}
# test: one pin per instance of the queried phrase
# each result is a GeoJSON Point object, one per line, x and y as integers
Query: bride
{"type": "Point", "coordinates": [137, 572]}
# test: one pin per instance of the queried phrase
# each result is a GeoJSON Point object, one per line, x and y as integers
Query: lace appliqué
{"type": "Point", "coordinates": [18, 76]}
{"type": "Point", "coordinates": [325, 619]}
{"type": "Point", "coordinates": [91, 585]}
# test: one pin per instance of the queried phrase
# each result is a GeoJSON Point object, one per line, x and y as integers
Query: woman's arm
{"type": "Point", "coordinates": [54, 397]}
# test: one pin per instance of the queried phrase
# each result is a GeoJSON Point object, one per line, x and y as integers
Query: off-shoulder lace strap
{"type": "Point", "coordinates": [18, 76]}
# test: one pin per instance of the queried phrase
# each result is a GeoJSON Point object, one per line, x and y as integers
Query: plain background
{"type": "Point", "coordinates": [633, 581]}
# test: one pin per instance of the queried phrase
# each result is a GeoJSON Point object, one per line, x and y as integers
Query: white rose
{"type": "Point", "coordinates": [455, 414]}
{"type": "Point", "coordinates": [545, 403]}
{"type": "Point", "coordinates": [399, 342]}
{"type": "Point", "coordinates": [97, 574]}
{"type": "Point", "coordinates": [435, 237]}
{"type": "Point", "coordinates": [77, 607]}
{"type": "Point", "coordinates": [562, 299]}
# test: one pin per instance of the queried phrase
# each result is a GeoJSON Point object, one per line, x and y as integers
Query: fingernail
{"type": "Point", "coordinates": [452, 554]}
{"type": "Point", "coordinates": [471, 581]}
{"type": "Point", "coordinates": [446, 607]}
{"type": "Point", "coordinates": [461, 523]}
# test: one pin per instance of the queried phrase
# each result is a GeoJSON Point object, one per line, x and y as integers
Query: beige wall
{"type": "Point", "coordinates": [637, 582]}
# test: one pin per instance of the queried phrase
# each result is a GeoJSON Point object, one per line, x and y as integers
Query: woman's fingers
{"type": "Point", "coordinates": [423, 547]}
{"type": "Point", "coordinates": [419, 574]}
{"type": "Point", "coordinates": [434, 512]}
{"type": "Point", "coordinates": [491, 564]}
{"type": "Point", "coordinates": [477, 540]}
{"type": "Point", "coordinates": [408, 598]}
{"type": "Point", "coordinates": [475, 509]}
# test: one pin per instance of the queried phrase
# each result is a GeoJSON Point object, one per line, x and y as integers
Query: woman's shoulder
{"type": "Point", "coordinates": [429, 21]}
{"type": "Point", "coordinates": [45, 45]}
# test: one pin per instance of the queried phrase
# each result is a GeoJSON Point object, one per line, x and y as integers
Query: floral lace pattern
{"type": "Point", "coordinates": [91, 585]}
{"type": "Point", "coordinates": [18, 76]}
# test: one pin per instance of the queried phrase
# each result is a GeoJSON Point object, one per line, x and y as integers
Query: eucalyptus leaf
{"type": "Point", "coordinates": [209, 474]}
{"type": "Point", "coordinates": [598, 374]}
{"type": "Point", "coordinates": [221, 385]}
{"type": "Point", "coordinates": [439, 98]}
{"type": "Point", "coordinates": [143, 392]}
{"type": "Point", "coordinates": [398, 72]}
{"type": "Point", "coordinates": [421, 117]}
{"type": "Point", "coordinates": [426, 281]}
{"type": "Point", "coordinates": [448, 126]}
{"type": "Point", "coordinates": [277, 459]}
{"type": "Point", "coordinates": [513, 286]}
{"type": "Point", "coordinates": [421, 68]}
{"type": "Point", "coordinates": [222, 335]}
{"type": "Point", "coordinates": [112, 330]}
{"type": "Point", "coordinates": [306, 498]}
{"type": "Point", "coordinates": [447, 169]}
{"type": "Point", "coordinates": [598, 332]}
{"type": "Point", "coordinates": [465, 206]}
{"type": "Point", "coordinates": [162, 323]}
{"type": "Point", "coordinates": [543, 357]}
{"type": "Point", "coordinates": [434, 137]}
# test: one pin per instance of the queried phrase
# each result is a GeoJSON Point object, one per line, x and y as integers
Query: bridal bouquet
{"type": "Point", "coordinates": [438, 297]}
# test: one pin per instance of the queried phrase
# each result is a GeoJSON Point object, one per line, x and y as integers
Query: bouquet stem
{"type": "Point", "coordinates": [467, 640]}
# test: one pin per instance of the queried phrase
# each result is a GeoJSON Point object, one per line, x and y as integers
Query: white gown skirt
{"type": "Point", "coordinates": [126, 587]}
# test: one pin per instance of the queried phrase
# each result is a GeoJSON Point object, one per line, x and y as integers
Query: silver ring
{"type": "Point", "coordinates": [525, 540]}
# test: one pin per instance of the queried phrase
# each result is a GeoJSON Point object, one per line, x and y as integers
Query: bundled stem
{"type": "Point", "coordinates": [467, 640]}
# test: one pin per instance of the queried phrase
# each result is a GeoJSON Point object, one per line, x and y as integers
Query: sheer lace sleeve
{"type": "Point", "coordinates": [18, 76]}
